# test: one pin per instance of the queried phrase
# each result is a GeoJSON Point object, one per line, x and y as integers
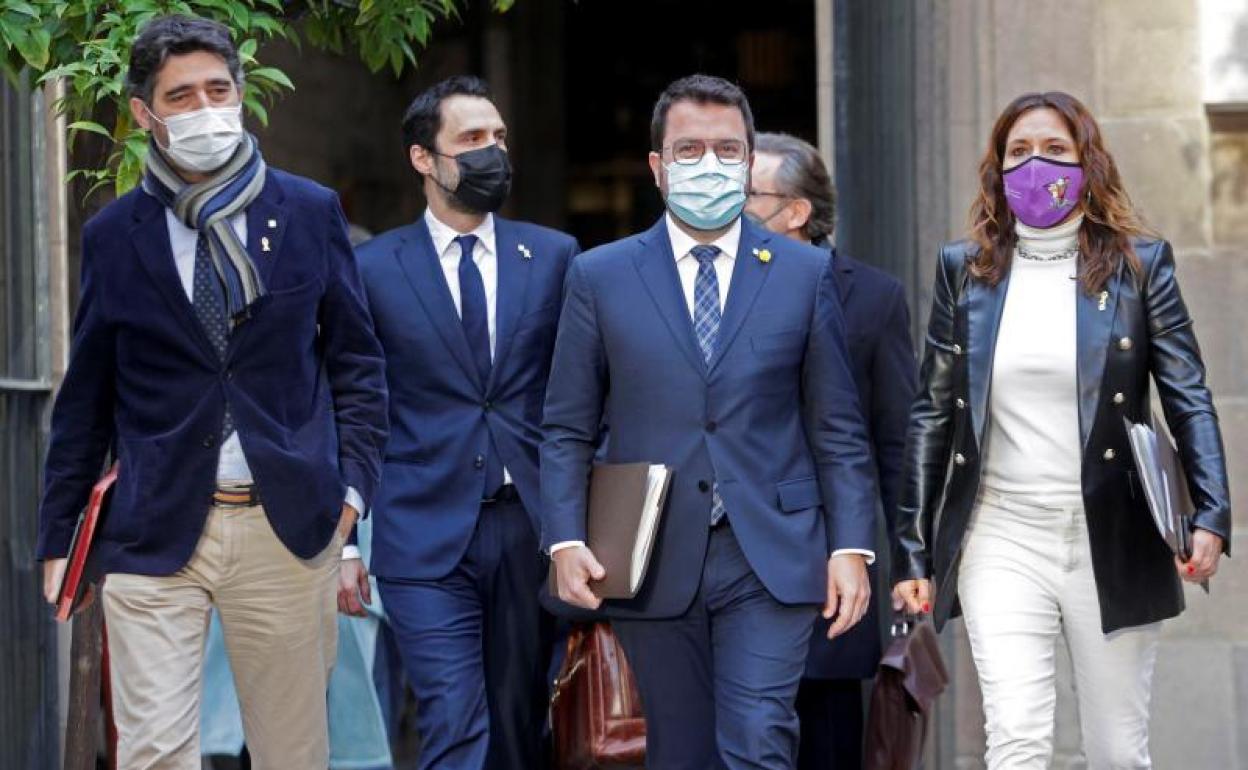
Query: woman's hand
{"type": "Point", "coordinates": [1206, 550]}
{"type": "Point", "coordinates": [913, 595]}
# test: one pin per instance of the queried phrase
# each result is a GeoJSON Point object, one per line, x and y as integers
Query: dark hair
{"type": "Point", "coordinates": [700, 89]}
{"type": "Point", "coordinates": [803, 174]}
{"type": "Point", "coordinates": [1109, 219]}
{"type": "Point", "coordinates": [176, 35]}
{"type": "Point", "coordinates": [423, 118]}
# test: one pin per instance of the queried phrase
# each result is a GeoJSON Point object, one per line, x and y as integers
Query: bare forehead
{"type": "Point", "coordinates": [192, 69]}
{"type": "Point", "coordinates": [704, 120]}
{"type": "Point", "coordinates": [462, 112]}
{"type": "Point", "coordinates": [1039, 124]}
{"type": "Point", "coordinates": [766, 164]}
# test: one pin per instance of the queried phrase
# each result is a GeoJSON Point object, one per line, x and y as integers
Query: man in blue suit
{"type": "Point", "coordinates": [466, 305]}
{"type": "Point", "coordinates": [791, 194]}
{"type": "Point", "coordinates": [709, 345]}
{"type": "Point", "coordinates": [223, 352]}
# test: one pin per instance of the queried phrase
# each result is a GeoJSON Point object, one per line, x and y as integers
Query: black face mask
{"type": "Point", "coordinates": [484, 178]}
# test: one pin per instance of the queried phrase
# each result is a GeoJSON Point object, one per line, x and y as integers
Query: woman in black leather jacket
{"type": "Point", "coordinates": [1021, 506]}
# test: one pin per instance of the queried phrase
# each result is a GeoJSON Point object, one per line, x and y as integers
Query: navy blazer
{"type": "Point", "coordinates": [773, 418]}
{"type": "Point", "coordinates": [877, 320]}
{"type": "Point", "coordinates": [443, 417]}
{"type": "Point", "coordinates": [303, 377]}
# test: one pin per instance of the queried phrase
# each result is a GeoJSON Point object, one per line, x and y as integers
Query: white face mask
{"type": "Point", "coordinates": [706, 195]}
{"type": "Point", "coordinates": [203, 140]}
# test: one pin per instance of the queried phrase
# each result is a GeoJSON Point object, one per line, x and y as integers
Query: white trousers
{"type": "Point", "coordinates": [1026, 577]}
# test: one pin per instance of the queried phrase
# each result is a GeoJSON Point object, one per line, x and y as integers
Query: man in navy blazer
{"type": "Point", "coordinates": [466, 305]}
{"type": "Point", "coordinates": [712, 346]}
{"type": "Point", "coordinates": [224, 354]}
{"type": "Point", "coordinates": [791, 194]}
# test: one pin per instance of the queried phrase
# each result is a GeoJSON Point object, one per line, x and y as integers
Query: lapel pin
{"type": "Point", "coordinates": [764, 256]}
{"type": "Point", "coordinates": [272, 224]}
{"type": "Point", "coordinates": [524, 250]}
{"type": "Point", "coordinates": [264, 244]}
{"type": "Point", "coordinates": [1104, 299]}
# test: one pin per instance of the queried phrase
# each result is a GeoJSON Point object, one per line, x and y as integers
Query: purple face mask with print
{"type": "Point", "coordinates": [1042, 192]}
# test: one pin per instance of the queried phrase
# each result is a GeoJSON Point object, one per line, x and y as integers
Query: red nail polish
{"type": "Point", "coordinates": [927, 607]}
{"type": "Point", "coordinates": [1191, 569]}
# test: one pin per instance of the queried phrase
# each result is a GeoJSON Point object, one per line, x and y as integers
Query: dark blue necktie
{"type": "Point", "coordinates": [706, 325]}
{"type": "Point", "coordinates": [474, 314]}
{"type": "Point", "coordinates": [208, 299]}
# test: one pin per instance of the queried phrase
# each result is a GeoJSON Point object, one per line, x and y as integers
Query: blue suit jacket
{"type": "Point", "coordinates": [303, 377]}
{"type": "Point", "coordinates": [442, 416]}
{"type": "Point", "coordinates": [881, 353]}
{"type": "Point", "coordinates": [774, 417]}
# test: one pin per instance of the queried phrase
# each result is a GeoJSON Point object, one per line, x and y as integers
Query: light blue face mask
{"type": "Point", "coordinates": [706, 195]}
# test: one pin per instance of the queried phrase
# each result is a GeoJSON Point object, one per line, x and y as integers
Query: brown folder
{"type": "Point", "coordinates": [626, 502]}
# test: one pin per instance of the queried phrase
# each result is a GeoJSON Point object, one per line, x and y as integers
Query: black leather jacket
{"type": "Point", "coordinates": [1137, 328]}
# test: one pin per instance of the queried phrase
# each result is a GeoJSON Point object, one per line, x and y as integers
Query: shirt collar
{"type": "Point", "coordinates": [682, 243]}
{"type": "Point", "coordinates": [444, 235]}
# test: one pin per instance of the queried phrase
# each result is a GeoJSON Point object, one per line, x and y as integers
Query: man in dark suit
{"type": "Point", "coordinates": [791, 194]}
{"type": "Point", "coordinates": [466, 305]}
{"type": "Point", "coordinates": [223, 351]}
{"type": "Point", "coordinates": [770, 512]}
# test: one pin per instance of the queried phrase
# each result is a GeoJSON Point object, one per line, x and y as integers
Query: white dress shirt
{"type": "Point", "coordinates": [232, 465]}
{"type": "Point", "coordinates": [687, 267]}
{"type": "Point", "coordinates": [484, 254]}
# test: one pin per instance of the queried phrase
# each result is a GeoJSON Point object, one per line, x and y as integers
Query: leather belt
{"type": "Point", "coordinates": [507, 493]}
{"type": "Point", "coordinates": [240, 496]}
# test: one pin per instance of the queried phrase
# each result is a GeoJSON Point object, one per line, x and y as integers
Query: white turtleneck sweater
{"type": "Point", "coordinates": [1033, 445]}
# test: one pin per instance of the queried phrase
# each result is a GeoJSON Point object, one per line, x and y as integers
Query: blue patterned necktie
{"type": "Point", "coordinates": [208, 299]}
{"type": "Point", "coordinates": [706, 325]}
{"type": "Point", "coordinates": [474, 315]}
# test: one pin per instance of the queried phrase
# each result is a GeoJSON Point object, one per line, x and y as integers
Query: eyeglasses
{"type": "Point", "coordinates": [689, 152]}
{"type": "Point", "coordinates": [766, 194]}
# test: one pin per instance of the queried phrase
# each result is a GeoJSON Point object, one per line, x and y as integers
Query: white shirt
{"type": "Point", "coordinates": [231, 462]}
{"type": "Point", "coordinates": [687, 267]}
{"type": "Point", "coordinates": [485, 255]}
{"type": "Point", "coordinates": [1033, 445]}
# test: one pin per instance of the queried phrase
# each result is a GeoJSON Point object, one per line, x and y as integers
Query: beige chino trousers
{"type": "Point", "coordinates": [278, 615]}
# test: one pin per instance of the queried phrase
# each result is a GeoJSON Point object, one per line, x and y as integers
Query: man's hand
{"type": "Point", "coordinates": [53, 575]}
{"type": "Point", "coordinates": [354, 590]}
{"type": "Point", "coordinates": [915, 596]}
{"type": "Point", "coordinates": [849, 592]}
{"type": "Point", "coordinates": [346, 521]}
{"type": "Point", "coordinates": [574, 568]}
{"type": "Point", "coordinates": [1206, 550]}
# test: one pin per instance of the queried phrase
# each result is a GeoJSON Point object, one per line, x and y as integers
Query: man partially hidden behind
{"type": "Point", "coordinates": [224, 351]}
{"type": "Point", "coordinates": [466, 305]}
{"type": "Point", "coordinates": [792, 194]}
{"type": "Point", "coordinates": [717, 348]}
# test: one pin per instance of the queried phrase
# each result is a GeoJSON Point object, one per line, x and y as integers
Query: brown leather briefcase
{"type": "Point", "coordinates": [595, 709]}
{"type": "Point", "coordinates": [912, 674]}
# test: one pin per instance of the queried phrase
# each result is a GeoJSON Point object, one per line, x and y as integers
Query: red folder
{"type": "Point", "coordinates": [76, 580]}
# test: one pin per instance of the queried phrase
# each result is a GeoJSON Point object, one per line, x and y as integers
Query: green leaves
{"type": "Point", "coordinates": [86, 44]}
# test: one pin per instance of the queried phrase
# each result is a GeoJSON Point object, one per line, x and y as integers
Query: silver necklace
{"type": "Point", "coordinates": [1028, 254]}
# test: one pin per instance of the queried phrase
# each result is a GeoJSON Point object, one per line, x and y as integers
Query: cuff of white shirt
{"type": "Point", "coordinates": [859, 551]}
{"type": "Point", "coordinates": [351, 552]}
{"type": "Point", "coordinates": [557, 547]}
{"type": "Point", "coordinates": [355, 500]}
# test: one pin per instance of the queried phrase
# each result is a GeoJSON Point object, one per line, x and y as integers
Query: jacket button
{"type": "Point", "coordinates": [487, 406]}
{"type": "Point", "coordinates": [961, 403]}
{"type": "Point", "coordinates": [1119, 398]}
{"type": "Point", "coordinates": [1109, 454]}
{"type": "Point", "coordinates": [478, 462]}
{"type": "Point", "coordinates": [957, 350]}
{"type": "Point", "coordinates": [1125, 343]}
{"type": "Point", "coordinates": [711, 426]}
{"type": "Point", "coordinates": [209, 441]}
{"type": "Point", "coordinates": [958, 459]}
{"type": "Point", "coordinates": [229, 374]}
{"type": "Point", "coordinates": [704, 486]}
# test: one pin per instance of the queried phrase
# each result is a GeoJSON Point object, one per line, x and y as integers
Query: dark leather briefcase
{"type": "Point", "coordinates": [595, 709]}
{"type": "Point", "coordinates": [912, 674]}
